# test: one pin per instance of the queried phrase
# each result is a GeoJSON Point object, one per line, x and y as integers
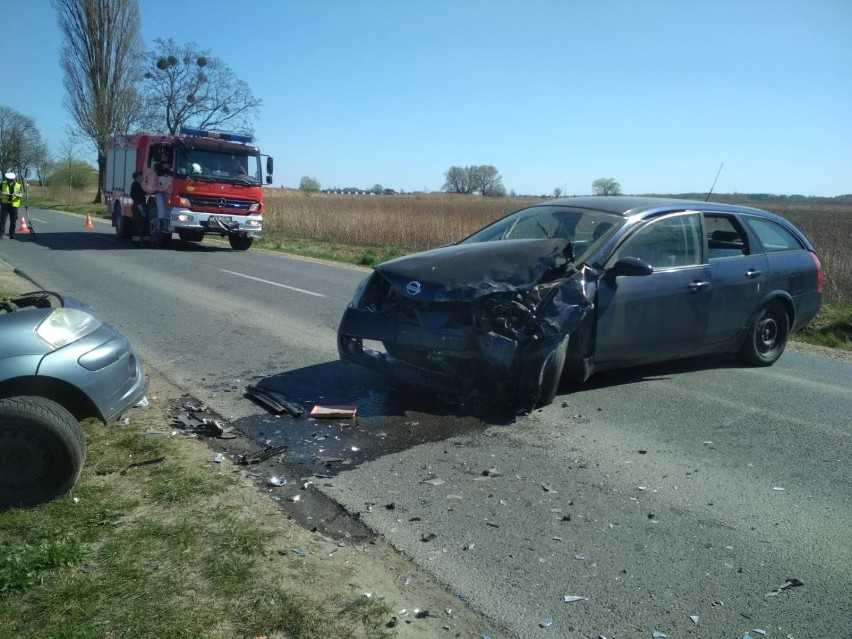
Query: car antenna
{"type": "Point", "coordinates": [714, 182]}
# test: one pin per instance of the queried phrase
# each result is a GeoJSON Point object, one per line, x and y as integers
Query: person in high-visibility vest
{"type": "Point", "coordinates": [10, 202]}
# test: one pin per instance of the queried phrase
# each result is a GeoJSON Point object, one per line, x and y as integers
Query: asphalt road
{"type": "Point", "coordinates": [695, 489]}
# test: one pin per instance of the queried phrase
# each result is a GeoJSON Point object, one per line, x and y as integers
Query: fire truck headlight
{"type": "Point", "coordinates": [255, 223]}
{"type": "Point", "coordinates": [254, 208]}
{"type": "Point", "coordinates": [182, 217]}
{"type": "Point", "coordinates": [183, 201]}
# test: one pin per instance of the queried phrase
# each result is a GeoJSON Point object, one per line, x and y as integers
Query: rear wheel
{"type": "Point", "coordinates": [122, 224]}
{"type": "Point", "coordinates": [767, 336]}
{"type": "Point", "coordinates": [240, 242]}
{"type": "Point", "coordinates": [42, 450]}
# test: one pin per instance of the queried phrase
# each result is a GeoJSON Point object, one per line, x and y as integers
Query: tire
{"type": "Point", "coordinates": [190, 236]}
{"type": "Point", "coordinates": [122, 226]}
{"type": "Point", "coordinates": [240, 242]}
{"type": "Point", "coordinates": [551, 374]}
{"type": "Point", "coordinates": [158, 239]}
{"type": "Point", "coordinates": [42, 451]}
{"type": "Point", "coordinates": [767, 336]}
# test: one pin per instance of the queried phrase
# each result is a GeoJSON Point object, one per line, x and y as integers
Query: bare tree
{"type": "Point", "coordinates": [21, 144]}
{"type": "Point", "coordinates": [101, 62]}
{"type": "Point", "coordinates": [185, 86]}
{"type": "Point", "coordinates": [458, 180]}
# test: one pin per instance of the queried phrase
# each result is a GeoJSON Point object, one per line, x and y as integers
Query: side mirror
{"type": "Point", "coordinates": [269, 165]}
{"type": "Point", "coordinates": [631, 267]}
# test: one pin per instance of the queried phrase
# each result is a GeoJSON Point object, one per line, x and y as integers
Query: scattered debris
{"type": "Point", "coordinates": [261, 455]}
{"type": "Point", "coordinates": [155, 460]}
{"type": "Point", "coordinates": [573, 598]}
{"type": "Point", "coordinates": [694, 619]}
{"type": "Point", "coordinates": [778, 488]}
{"type": "Point", "coordinates": [205, 426]}
{"type": "Point", "coordinates": [547, 488]}
{"type": "Point", "coordinates": [275, 400]}
{"type": "Point", "coordinates": [435, 481]}
{"type": "Point", "coordinates": [759, 631]}
{"type": "Point", "coordinates": [580, 557]}
{"type": "Point", "coordinates": [277, 481]}
{"type": "Point", "coordinates": [659, 634]}
{"type": "Point", "coordinates": [428, 537]}
{"type": "Point", "coordinates": [219, 457]}
{"type": "Point", "coordinates": [791, 582]}
{"type": "Point", "coordinates": [491, 472]}
{"type": "Point", "coordinates": [334, 412]}
{"type": "Point", "coordinates": [546, 622]}
{"type": "Point", "coordinates": [301, 552]}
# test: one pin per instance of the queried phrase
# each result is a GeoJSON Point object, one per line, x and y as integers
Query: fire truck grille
{"type": "Point", "coordinates": [219, 203]}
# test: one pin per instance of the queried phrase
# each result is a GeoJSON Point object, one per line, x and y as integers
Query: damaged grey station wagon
{"type": "Point", "coordinates": [572, 286]}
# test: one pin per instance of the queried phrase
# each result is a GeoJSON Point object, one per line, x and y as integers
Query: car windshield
{"type": "Point", "coordinates": [215, 166]}
{"type": "Point", "coordinates": [586, 229]}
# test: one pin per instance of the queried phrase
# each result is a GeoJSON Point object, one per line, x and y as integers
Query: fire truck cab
{"type": "Point", "coordinates": [198, 183]}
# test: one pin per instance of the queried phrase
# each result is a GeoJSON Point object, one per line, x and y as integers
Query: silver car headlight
{"type": "Point", "coordinates": [66, 325]}
{"type": "Point", "coordinates": [359, 292]}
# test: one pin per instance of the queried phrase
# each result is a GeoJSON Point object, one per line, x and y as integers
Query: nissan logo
{"type": "Point", "coordinates": [413, 287]}
{"type": "Point", "coordinates": [222, 203]}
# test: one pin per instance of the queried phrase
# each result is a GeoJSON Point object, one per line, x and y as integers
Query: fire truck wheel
{"type": "Point", "coordinates": [121, 224]}
{"type": "Point", "coordinates": [158, 239]}
{"type": "Point", "coordinates": [240, 242]}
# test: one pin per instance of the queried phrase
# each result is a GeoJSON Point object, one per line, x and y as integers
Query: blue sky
{"type": "Point", "coordinates": [656, 94]}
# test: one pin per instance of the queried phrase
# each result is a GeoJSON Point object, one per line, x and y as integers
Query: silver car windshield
{"type": "Point", "coordinates": [586, 229]}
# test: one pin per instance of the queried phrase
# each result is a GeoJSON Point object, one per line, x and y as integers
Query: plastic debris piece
{"type": "Point", "coordinates": [302, 552]}
{"type": "Point", "coordinates": [746, 636]}
{"type": "Point", "coordinates": [778, 488]}
{"type": "Point", "coordinates": [219, 457]}
{"type": "Point", "coordinates": [276, 401]}
{"type": "Point", "coordinates": [694, 619]}
{"type": "Point", "coordinates": [491, 472]}
{"type": "Point", "coordinates": [547, 488]}
{"type": "Point", "coordinates": [546, 622]}
{"type": "Point", "coordinates": [573, 598]}
{"type": "Point", "coordinates": [580, 557]}
{"type": "Point", "coordinates": [659, 634]}
{"type": "Point", "coordinates": [791, 582]}
{"type": "Point", "coordinates": [462, 595]}
{"type": "Point", "coordinates": [421, 614]}
{"type": "Point", "coordinates": [759, 631]}
{"type": "Point", "coordinates": [142, 403]}
{"type": "Point", "coordinates": [333, 412]}
{"type": "Point", "coordinates": [428, 537]}
{"type": "Point", "coordinates": [435, 481]}
{"type": "Point", "coordinates": [296, 498]}
{"type": "Point", "coordinates": [277, 481]}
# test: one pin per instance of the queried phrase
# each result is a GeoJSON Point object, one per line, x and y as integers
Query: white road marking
{"type": "Point", "coordinates": [257, 279]}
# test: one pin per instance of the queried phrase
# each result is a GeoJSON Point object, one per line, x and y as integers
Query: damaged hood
{"type": "Point", "coordinates": [465, 272]}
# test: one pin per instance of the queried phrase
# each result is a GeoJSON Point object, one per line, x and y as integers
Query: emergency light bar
{"type": "Point", "coordinates": [216, 135]}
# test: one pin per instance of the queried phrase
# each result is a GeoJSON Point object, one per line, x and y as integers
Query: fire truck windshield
{"type": "Point", "coordinates": [195, 163]}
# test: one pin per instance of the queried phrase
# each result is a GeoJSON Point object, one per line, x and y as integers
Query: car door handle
{"type": "Point", "coordinates": [751, 273]}
{"type": "Point", "coordinates": [697, 285]}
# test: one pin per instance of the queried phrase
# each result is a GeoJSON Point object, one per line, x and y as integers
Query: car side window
{"type": "Point", "coordinates": [725, 237]}
{"type": "Point", "coordinates": [669, 242]}
{"type": "Point", "coordinates": [773, 236]}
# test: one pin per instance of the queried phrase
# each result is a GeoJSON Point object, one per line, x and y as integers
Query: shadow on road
{"type": "Point", "coordinates": [95, 241]}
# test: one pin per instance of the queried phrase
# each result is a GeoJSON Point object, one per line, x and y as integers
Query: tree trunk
{"type": "Point", "coordinates": [101, 177]}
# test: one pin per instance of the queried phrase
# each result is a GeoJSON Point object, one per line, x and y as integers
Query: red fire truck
{"type": "Point", "coordinates": [199, 182]}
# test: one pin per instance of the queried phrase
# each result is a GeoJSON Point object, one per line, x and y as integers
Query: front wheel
{"type": "Point", "coordinates": [42, 451]}
{"type": "Point", "coordinates": [158, 238]}
{"type": "Point", "coordinates": [767, 336]}
{"type": "Point", "coordinates": [240, 242]}
{"type": "Point", "coordinates": [551, 374]}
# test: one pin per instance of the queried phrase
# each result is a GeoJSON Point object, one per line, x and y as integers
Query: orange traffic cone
{"type": "Point", "coordinates": [89, 224]}
{"type": "Point", "coordinates": [22, 225]}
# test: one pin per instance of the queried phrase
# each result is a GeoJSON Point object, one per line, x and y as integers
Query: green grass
{"type": "Point", "coordinates": [164, 550]}
{"type": "Point", "coordinates": [832, 327]}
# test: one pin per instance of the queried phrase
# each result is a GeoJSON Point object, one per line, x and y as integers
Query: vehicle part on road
{"type": "Point", "coordinates": [573, 598]}
{"type": "Point", "coordinates": [42, 451]}
{"type": "Point", "coordinates": [334, 412]}
{"type": "Point", "coordinates": [275, 400]}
